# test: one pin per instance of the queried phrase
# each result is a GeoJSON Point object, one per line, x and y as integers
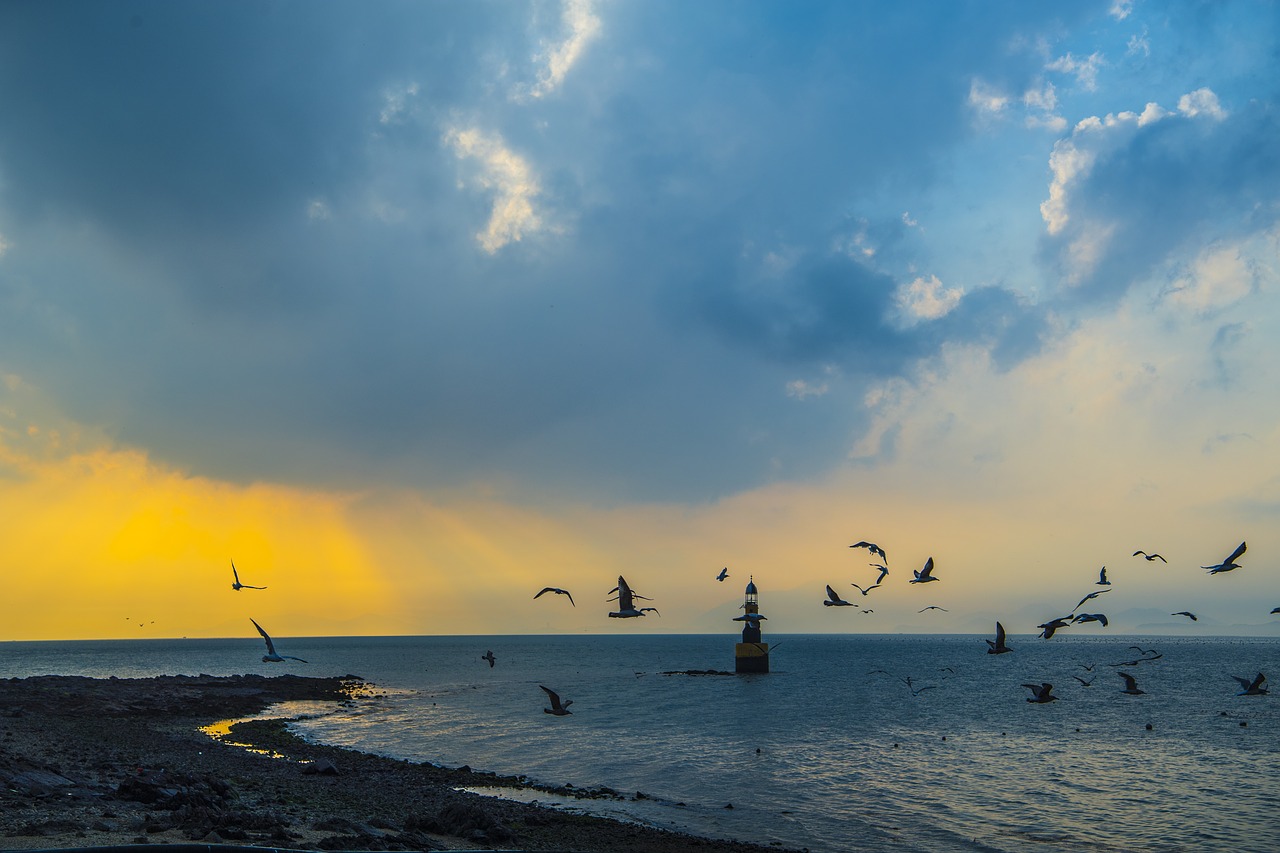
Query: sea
{"type": "Point", "coordinates": [849, 743]}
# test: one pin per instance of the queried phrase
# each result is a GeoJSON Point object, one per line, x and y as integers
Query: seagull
{"type": "Point", "coordinates": [916, 691]}
{"type": "Point", "coordinates": [864, 591]}
{"type": "Point", "coordinates": [1091, 617]}
{"type": "Point", "coordinates": [557, 591]}
{"type": "Point", "coordinates": [924, 575]}
{"type": "Point", "coordinates": [1102, 578]}
{"type": "Point", "coordinates": [753, 618]}
{"type": "Point", "coordinates": [1042, 693]}
{"type": "Point", "coordinates": [1089, 597]}
{"type": "Point", "coordinates": [271, 656]}
{"type": "Point", "coordinates": [834, 600]}
{"type": "Point", "coordinates": [884, 570]}
{"type": "Point", "coordinates": [1186, 613]}
{"type": "Point", "coordinates": [997, 646]}
{"type": "Point", "coordinates": [872, 547]}
{"type": "Point", "coordinates": [558, 708]}
{"type": "Point", "coordinates": [1150, 557]}
{"type": "Point", "coordinates": [932, 607]}
{"type": "Point", "coordinates": [626, 607]}
{"type": "Point", "coordinates": [489, 657]}
{"type": "Point", "coordinates": [1251, 688]}
{"type": "Point", "coordinates": [1053, 625]}
{"type": "Point", "coordinates": [236, 585]}
{"type": "Point", "coordinates": [1227, 564]}
{"type": "Point", "coordinates": [1088, 683]}
{"type": "Point", "coordinates": [1275, 610]}
{"type": "Point", "coordinates": [1130, 685]}
{"type": "Point", "coordinates": [724, 573]}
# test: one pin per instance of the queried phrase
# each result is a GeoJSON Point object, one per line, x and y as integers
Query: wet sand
{"type": "Point", "coordinates": [96, 762]}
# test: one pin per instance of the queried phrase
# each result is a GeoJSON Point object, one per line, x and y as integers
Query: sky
{"type": "Point", "coordinates": [412, 309]}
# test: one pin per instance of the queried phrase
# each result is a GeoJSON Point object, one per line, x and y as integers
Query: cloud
{"type": "Point", "coordinates": [1219, 276]}
{"type": "Point", "coordinates": [582, 26]}
{"type": "Point", "coordinates": [1201, 102]}
{"type": "Point", "coordinates": [927, 299]}
{"type": "Point", "coordinates": [512, 181]}
{"type": "Point", "coordinates": [1085, 70]}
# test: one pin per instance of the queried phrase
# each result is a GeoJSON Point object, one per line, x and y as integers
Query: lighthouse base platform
{"type": "Point", "coordinates": [751, 657]}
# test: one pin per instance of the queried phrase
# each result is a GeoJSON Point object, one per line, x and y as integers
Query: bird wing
{"type": "Point", "coordinates": [928, 568]}
{"type": "Point", "coordinates": [1257, 682]}
{"type": "Point", "coordinates": [234, 573]}
{"type": "Point", "coordinates": [271, 647]}
{"type": "Point", "coordinates": [1235, 554]}
{"type": "Point", "coordinates": [999, 634]}
{"type": "Point", "coordinates": [555, 697]}
{"type": "Point", "coordinates": [568, 595]}
{"type": "Point", "coordinates": [1130, 683]}
{"type": "Point", "coordinates": [544, 591]}
{"type": "Point", "coordinates": [831, 594]}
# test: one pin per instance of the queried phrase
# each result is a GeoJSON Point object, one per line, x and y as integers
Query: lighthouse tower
{"type": "Point", "coordinates": [751, 655]}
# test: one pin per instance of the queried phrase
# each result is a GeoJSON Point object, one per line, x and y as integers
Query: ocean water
{"type": "Point", "coordinates": [833, 750]}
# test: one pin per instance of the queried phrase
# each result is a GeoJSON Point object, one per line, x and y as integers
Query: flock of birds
{"type": "Point", "coordinates": [1041, 693]}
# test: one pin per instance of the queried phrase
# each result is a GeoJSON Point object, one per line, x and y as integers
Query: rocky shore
{"type": "Point", "coordinates": [96, 762]}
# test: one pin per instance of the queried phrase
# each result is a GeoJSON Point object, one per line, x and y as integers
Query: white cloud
{"type": "Point", "coordinates": [1201, 102]}
{"type": "Point", "coordinates": [582, 25]}
{"type": "Point", "coordinates": [927, 299]}
{"type": "Point", "coordinates": [510, 178]}
{"type": "Point", "coordinates": [1139, 44]}
{"type": "Point", "coordinates": [1085, 70]}
{"type": "Point", "coordinates": [318, 209]}
{"type": "Point", "coordinates": [396, 104]}
{"type": "Point", "coordinates": [1120, 9]}
{"type": "Point", "coordinates": [986, 99]}
{"type": "Point", "coordinates": [1219, 277]}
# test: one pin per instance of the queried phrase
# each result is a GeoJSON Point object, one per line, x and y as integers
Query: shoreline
{"type": "Point", "coordinates": [91, 762]}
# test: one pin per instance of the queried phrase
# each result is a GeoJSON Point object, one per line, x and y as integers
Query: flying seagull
{"type": "Point", "coordinates": [271, 656]}
{"type": "Point", "coordinates": [558, 708]}
{"type": "Point", "coordinates": [236, 585]}
{"type": "Point", "coordinates": [557, 591]}
{"type": "Point", "coordinates": [924, 575]}
{"type": "Point", "coordinates": [626, 606]}
{"type": "Point", "coordinates": [1090, 597]}
{"type": "Point", "coordinates": [1130, 684]}
{"type": "Point", "coordinates": [1042, 693]}
{"type": "Point", "coordinates": [884, 570]}
{"type": "Point", "coordinates": [1150, 557]}
{"type": "Point", "coordinates": [916, 691]}
{"type": "Point", "coordinates": [1053, 625]}
{"type": "Point", "coordinates": [1091, 617]}
{"type": "Point", "coordinates": [997, 646]}
{"type": "Point", "coordinates": [1088, 683]}
{"type": "Point", "coordinates": [1275, 610]}
{"type": "Point", "coordinates": [1251, 688]}
{"type": "Point", "coordinates": [864, 591]}
{"type": "Point", "coordinates": [872, 547]}
{"type": "Point", "coordinates": [1186, 613]}
{"type": "Point", "coordinates": [724, 573]}
{"type": "Point", "coordinates": [934, 607]}
{"type": "Point", "coordinates": [753, 618]}
{"type": "Point", "coordinates": [489, 657]}
{"type": "Point", "coordinates": [1227, 564]}
{"type": "Point", "coordinates": [834, 600]}
{"type": "Point", "coordinates": [1102, 578]}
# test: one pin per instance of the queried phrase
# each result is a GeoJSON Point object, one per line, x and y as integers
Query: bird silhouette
{"type": "Point", "coordinates": [1227, 564]}
{"type": "Point", "coordinates": [557, 591]}
{"type": "Point", "coordinates": [924, 575]}
{"type": "Point", "coordinates": [1102, 578]}
{"type": "Point", "coordinates": [834, 600]}
{"type": "Point", "coordinates": [489, 657]}
{"type": "Point", "coordinates": [997, 646]}
{"type": "Point", "coordinates": [1251, 688]}
{"type": "Point", "coordinates": [1042, 693]}
{"type": "Point", "coordinates": [236, 585]}
{"type": "Point", "coordinates": [884, 570]}
{"type": "Point", "coordinates": [1130, 684]}
{"type": "Point", "coordinates": [1186, 613]}
{"type": "Point", "coordinates": [1090, 617]}
{"type": "Point", "coordinates": [1090, 597]}
{"type": "Point", "coordinates": [862, 590]}
{"type": "Point", "coordinates": [872, 547]}
{"type": "Point", "coordinates": [1053, 625]}
{"type": "Point", "coordinates": [558, 708]}
{"type": "Point", "coordinates": [1088, 683]}
{"type": "Point", "coordinates": [933, 607]}
{"type": "Point", "coordinates": [916, 691]}
{"type": "Point", "coordinates": [626, 605]}
{"type": "Point", "coordinates": [271, 656]}
{"type": "Point", "coordinates": [724, 573]}
{"type": "Point", "coordinates": [1150, 557]}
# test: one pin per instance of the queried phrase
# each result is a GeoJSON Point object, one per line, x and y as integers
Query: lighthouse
{"type": "Point", "coordinates": [752, 654]}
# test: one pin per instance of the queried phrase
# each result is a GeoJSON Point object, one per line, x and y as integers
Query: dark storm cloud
{"type": "Point", "coordinates": [166, 280]}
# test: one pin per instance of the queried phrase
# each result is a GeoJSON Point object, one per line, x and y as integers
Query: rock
{"type": "Point", "coordinates": [321, 766]}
